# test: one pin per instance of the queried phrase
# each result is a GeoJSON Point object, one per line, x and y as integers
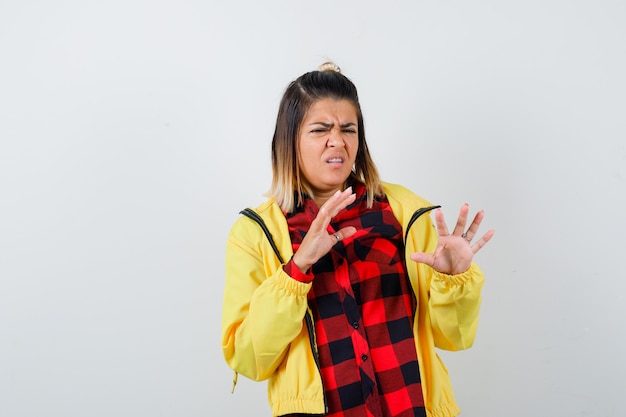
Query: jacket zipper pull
{"type": "Point", "coordinates": [234, 382]}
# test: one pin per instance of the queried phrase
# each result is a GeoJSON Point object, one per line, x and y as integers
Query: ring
{"type": "Point", "coordinates": [336, 236]}
{"type": "Point", "coordinates": [464, 236]}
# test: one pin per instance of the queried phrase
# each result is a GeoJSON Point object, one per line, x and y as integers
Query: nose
{"type": "Point", "coordinates": [334, 139]}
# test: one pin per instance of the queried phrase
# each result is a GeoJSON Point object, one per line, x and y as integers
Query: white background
{"type": "Point", "coordinates": [132, 133]}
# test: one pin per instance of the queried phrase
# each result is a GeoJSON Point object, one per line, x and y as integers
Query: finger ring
{"type": "Point", "coordinates": [464, 236]}
{"type": "Point", "coordinates": [336, 236]}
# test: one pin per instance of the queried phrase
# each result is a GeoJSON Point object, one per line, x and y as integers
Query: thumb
{"type": "Point", "coordinates": [347, 232]}
{"type": "Point", "coordinates": [421, 257]}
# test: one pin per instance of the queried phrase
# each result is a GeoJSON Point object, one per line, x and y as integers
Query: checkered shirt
{"type": "Point", "coordinates": [363, 309]}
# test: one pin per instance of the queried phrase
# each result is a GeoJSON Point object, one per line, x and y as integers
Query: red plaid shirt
{"type": "Point", "coordinates": [363, 308]}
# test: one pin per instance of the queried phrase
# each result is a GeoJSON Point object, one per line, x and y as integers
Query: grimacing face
{"type": "Point", "coordinates": [328, 145]}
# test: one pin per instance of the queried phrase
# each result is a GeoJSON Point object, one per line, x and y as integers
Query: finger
{"type": "Point", "coordinates": [320, 222]}
{"type": "Point", "coordinates": [326, 212]}
{"type": "Point", "coordinates": [335, 201]}
{"type": "Point", "coordinates": [346, 198]}
{"type": "Point", "coordinates": [473, 228]}
{"type": "Point", "coordinates": [442, 228]}
{"type": "Point", "coordinates": [424, 258]}
{"type": "Point", "coordinates": [339, 201]}
{"type": "Point", "coordinates": [459, 228]}
{"type": "Point", "coordinates": [344, 233]}
{"type": "Point", "coordinates": [479, 244]}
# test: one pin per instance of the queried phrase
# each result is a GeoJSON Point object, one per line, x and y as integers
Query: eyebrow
{"type": "Point", "coordinates": [327, 125]}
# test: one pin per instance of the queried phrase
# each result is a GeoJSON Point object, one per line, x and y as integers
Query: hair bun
{"type": "Point", "coordinates": [329, 66]}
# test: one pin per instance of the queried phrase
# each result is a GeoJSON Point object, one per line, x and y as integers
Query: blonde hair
{"type": "Point", "coordinates": [288, 187]}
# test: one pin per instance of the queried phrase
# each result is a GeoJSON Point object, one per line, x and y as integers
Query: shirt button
{"type": "Point", "coordinates": [364, 357]}
{"type": "Point", "coordinates": [355, 324]}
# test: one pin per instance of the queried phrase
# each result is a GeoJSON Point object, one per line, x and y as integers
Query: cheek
{"type": "Point", "coordinates": [354, 148]}
{"type": "Point", "coordinates": [307, 157]}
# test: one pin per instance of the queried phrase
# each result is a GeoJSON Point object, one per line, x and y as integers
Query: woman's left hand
{"type": "Point", "coordinates": [455, 251]}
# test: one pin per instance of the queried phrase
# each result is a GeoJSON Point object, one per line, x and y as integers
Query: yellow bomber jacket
{"type": "Point", "coordinates": [265, 335]}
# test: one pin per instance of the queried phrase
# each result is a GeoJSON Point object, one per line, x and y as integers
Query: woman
{"type": "Point", "coordinates": [338, 288]}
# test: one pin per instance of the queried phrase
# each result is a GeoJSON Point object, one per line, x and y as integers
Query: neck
{"type": "Point", "coordinates": [321, 198]}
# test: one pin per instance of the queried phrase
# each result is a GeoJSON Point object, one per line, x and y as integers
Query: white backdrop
{"type": "Point", "coordinates": [132, 133]}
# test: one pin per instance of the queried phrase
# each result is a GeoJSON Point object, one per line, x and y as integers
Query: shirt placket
{"type": "Point", "coordinates": [357, 333]}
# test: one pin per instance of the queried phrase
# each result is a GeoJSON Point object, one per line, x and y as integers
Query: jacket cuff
{"type": "Point", "coordinates": [292, 270]}
{"type": "Point", "coordinates": [285, 283]}
{"type": "Point", "coordinates": [457, 279]}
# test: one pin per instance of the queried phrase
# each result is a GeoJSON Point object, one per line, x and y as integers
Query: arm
{"type": "Point", "coordinates": [263, 307]}
{"type": "Point", "coordinates": [455, 282]}
{"type": "Point", "coordinates": [454, 308]}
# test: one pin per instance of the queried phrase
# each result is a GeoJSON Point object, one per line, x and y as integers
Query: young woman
{"type": "Point", "coordinates": [339, 287]}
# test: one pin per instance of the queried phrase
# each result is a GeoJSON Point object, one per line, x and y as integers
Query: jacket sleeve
{"type": "Point", "coordinates": [263, 307]}
{"type": "Point", "coordinates": [454, 308]}
{"type": "Point", "coordinates": [447, 304]}
{"type": "Point", "coordinates": [453, 300]}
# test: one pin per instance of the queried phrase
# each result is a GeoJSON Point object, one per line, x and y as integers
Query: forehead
{"type": "Point", "coordinates": [328, 109]}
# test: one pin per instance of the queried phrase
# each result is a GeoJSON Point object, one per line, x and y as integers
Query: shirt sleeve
{"type": "Point", "coordinates": [294, 272]}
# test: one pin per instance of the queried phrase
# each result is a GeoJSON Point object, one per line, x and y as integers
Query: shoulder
{"type": "Point", "coordinates": [405, 204]}
{"type": "Point", "coordinates": [402, 199]}
{"type": "Point", "coordinates": [249, 232]}
{"type": "Point", "coordinates": [268, 211]}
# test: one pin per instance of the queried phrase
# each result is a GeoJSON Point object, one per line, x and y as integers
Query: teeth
{"type": "Point", "coordinates": [335, 160]}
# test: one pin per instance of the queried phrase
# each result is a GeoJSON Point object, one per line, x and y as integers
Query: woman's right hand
{"type": "Point", "coordinates": [318, 241]}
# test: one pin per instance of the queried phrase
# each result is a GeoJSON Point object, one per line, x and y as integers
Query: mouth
{"type": "Point", "coordinates": [335, 160]}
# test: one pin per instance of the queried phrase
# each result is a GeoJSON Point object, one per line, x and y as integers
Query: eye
{"type": "Point", "coordinates": [350, 131]}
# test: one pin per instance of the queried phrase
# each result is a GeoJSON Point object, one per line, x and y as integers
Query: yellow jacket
{"type": "Point", "coordinates": [265, 334]}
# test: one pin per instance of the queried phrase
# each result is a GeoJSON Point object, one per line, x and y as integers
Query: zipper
{"type": "Point", "coordinates": [235, 377]}
{"type": "Point", "coordinates": [415, 216]}
{"type": "Point", "coordinates": [251, 214]}
{"type": "Point", "coordinates": [254, 216]}
{"type": "Point", "coordinates": [316, 357]}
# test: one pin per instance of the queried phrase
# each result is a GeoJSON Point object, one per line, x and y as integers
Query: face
{"type": "Point", "coordinates": [329, 141]}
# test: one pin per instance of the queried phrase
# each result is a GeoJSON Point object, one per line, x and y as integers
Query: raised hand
{"type": "Point", "coordinates": [318, 241]}
{"type": "Point", "coordinates": [455, 251]}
